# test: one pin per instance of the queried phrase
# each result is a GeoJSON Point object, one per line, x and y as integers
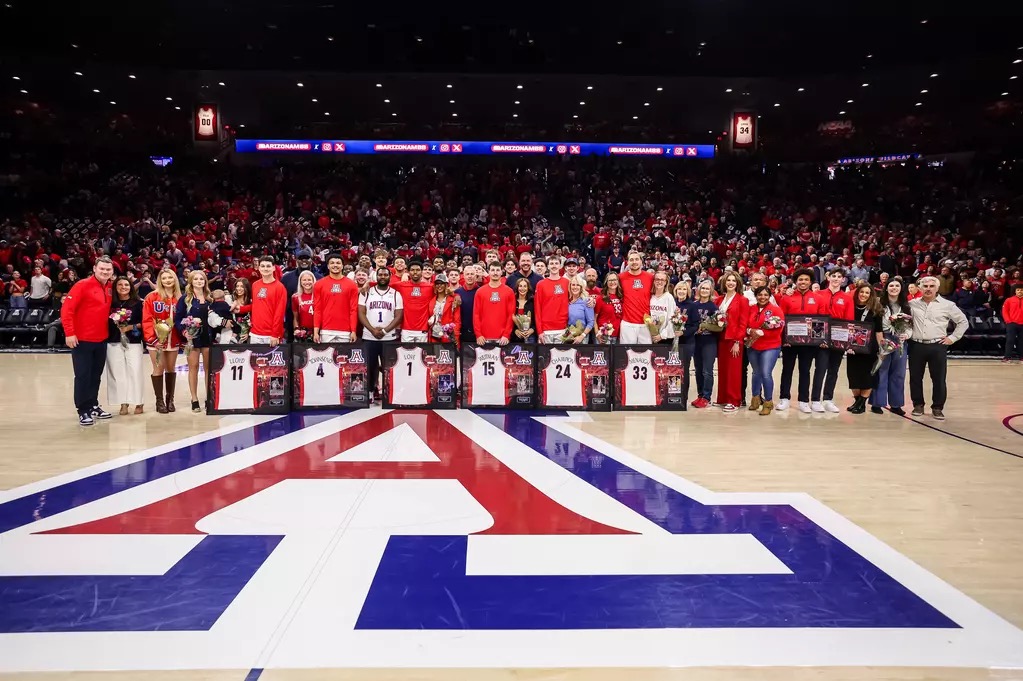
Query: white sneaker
{"type": "Point", "coordinates": [804, 407]}
{"type": "Point", "coordinates": [831, 406]}
{"type": "Point", "coordinates": [817, 407]}
{"type": "Point", "coordinates": [782, 405]}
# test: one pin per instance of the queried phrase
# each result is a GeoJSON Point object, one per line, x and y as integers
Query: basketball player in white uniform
{"type": "Point", "coordinates": [487, 380]}
{"type": "Point", "coordinates": [380, 313]}
{"type": "Point", "coordinates": [321, 379]}
{"type": "Point", "coordinates": [409, 379]}
{"type": "Point", "coordinates": [639, 380]}
{"type": "Point", "coordinates": [236, 382]}
{"type": "Point", "coordinates": [563, 380]}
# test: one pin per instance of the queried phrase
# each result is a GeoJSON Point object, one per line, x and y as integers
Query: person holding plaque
{"type": "Point", "coordinates": [840, 306]}
{"type": "Point", "coordinates": [867, 308]}
{"type": "Point", "coordinates": [802, 301]}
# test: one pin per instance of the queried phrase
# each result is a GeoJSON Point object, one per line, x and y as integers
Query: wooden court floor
{"type": "Point", "coordinates": [947, 495]}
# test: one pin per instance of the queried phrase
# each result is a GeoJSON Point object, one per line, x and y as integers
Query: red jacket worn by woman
{"type": "Point", "coordinates": [449, 315]}
{"type": "Point", "coordinates": [755, 320]}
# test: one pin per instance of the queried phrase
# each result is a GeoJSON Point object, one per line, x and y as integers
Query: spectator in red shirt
{"type": "Point", "coordinates": [493, 309]}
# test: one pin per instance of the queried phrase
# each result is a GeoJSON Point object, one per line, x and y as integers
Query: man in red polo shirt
{"type": "Point", "coordinates": [802, 301]}
{"type": "Point", "coordinates": [85, 315]}
{"type": "Point", "coordinates": [840, 306]}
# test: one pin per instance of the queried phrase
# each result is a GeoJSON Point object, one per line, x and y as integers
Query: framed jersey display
{"type": "Point", "coordinates": [249, 379]}
{"type": "Point", "coordinates": [807, 329]}
{"type": "Point", "coordinates": [648, 377]}
{"type": "Point", "coordinates": [574, 377]}
{"type": "Point", "coordinates": [419, 375]}
{"type": "Point", "coordinates": [498, 376]}
{"type": "Point", "coordinates": [851, 335]}
{"type": "Point", "coordinates": [329, 376]}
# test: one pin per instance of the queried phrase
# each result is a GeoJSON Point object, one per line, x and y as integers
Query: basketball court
{"type": "Point", "coordinates": [453, 545]}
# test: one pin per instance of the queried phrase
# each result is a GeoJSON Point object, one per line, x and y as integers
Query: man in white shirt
{"type": "Point", "coordinates": [929, 347]}
{"type": "Point", "coordinates": [40, 288]}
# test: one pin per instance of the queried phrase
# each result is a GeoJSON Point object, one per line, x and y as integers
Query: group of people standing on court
{"type": "Point", "coordinates": [724, 322]}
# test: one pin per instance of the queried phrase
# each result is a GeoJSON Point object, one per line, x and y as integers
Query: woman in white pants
{"type": "Point", "coordinates": [125, 370]}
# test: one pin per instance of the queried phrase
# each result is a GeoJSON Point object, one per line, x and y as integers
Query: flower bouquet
{"type": "Point", "coordinates": [770, 322]}
{"type": "Point", "coordinates": [653, 325]}
{"type": "Point", "coordinates": [604, 332]}
{"type": "Point", "coordinates": [163, 328]}
{"type": "Point", "coordinates": [900, 323]}
{"type": "Point", "coordinates": [714, 323]}
{"type": "Point", "coordinates": [678, 321]}
{"type": "Point", "coordinates": [523, 322]}
{"type": "Point", "coordinates": [191, 326]}
{"type": "Point", "coordinates": [303, 334]}
{"type": "Point", "coordinates": [244, 324]}
{"type": "Point", "coordinates": [120, 317]}
{"type": "Point", "coordinates": [446, 332]}
{"type": "Point", "coordinates": [572, 332]}
{"type": "Point", "coordinates": [885, 348]}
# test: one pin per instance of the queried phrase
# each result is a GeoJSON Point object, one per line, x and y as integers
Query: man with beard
{"type": "Point", "coordinates": [380, 313]}
{"type": "Point", "coordinates": [335, 303]}
{"type": "Point", "coordinates": [415, 294]}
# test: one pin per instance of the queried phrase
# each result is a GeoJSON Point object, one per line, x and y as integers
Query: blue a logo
{"type": "Point", "coordinates": [263, 292]}
{"type": "Point", "coordinates": [558, 290]}
{"type": "Point", "coordinates": [525, 358]}
{"type": "Point", "coordinates": [444, 357]}
{"type": "Point", "coordinates": [598, 359]}
{"type": "Point", "coordinates": [277, 359]}
{"type": "Point", "coordinates": [673, 358]}
{"type": "Point", "coordinates": [356, 357]}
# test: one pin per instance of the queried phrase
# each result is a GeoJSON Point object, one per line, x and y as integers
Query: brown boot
{"type": "Point", "coordinates": [754, 404]}
{"type": "Point", "coordinates": [766, 408]}
{"type": "Point", "coordinates": [138, 409]}
{"type": "Point", "coordinates": [161, 408]}
{"type": "Point", "coordinates": [171, 379]}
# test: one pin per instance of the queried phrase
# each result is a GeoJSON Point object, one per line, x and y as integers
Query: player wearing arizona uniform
{"type": "Point", "coordinates": [550, 303]}
{"type": "Point", "coordinates": [636, 286]}
{"type": "Point", "coordinates": [493, 309]}
{"type": "Point", "coordinates": [415, 295]}
{"type": "Point", "coordinates": [380, 314]}
{"type": "Point", "coordinates": [269, 301]}
{"type": "Point", "coordinates": [335, 305]}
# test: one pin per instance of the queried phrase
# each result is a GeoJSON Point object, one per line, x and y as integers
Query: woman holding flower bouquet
{"type": "Point", "coordinates": [161, 337]}
{"type": "Point", "coordinates": [525, 330]}
{"type": "Point", "coordinates": [662, 309]}
{"type": "Point", "coordinates": [445, 323]}
{"type": "Point", "coordinates": [192, 324]}
{"type": "Point", "coordinates": [765, 325]}
{"type": "Point", "coordinates": [580, 314]}
{"type": "Point", "coordinates": [857, 368]}
{"type": "Point", "coordinates": [897, 327]}
{"type": "Point", "coordinates": [608, 310]}
{"type": "Point", "coordinates": [705, 349]}
{"type": "Point", "coordinates": [125, 372]}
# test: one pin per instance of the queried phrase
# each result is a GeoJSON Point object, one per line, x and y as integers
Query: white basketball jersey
{"type": "Point", "coordinates": [206, 128]}
{"type": "Point", "coordinates": [380, 307]}
{"type": "Point", "coordinates": [744, 130]}
{"type": "Point", "coordinates": [487, 379]}
{"type": "Point", "coordinates": [321, 379]}
{"type": "Point", "coordinates": [410, 384]}
{"type": "Point", "coordinates": [236, 382]}
{"type": "Point", "coordinates": [563, 380]}
{"type": "Point", "coordinates": [639, 384]}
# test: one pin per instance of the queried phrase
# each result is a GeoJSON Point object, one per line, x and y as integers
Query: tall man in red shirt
{"type": "Point", "coordinates": [840, 306]}
{"type": "Point", "coordinates": [550, 303]}
{"type": "Point", "coordinates": [415, 297]}
{"type": "Point", "coordinates": [803, 301]}
{"type": "Point", "coordinates": [269, 301]}
{"type": "Point", "coordinates": [84, 315]}
{"type": "Point", "coordinates": [493, 309]}
{"type": "Point", "coordinates": [636, 287]}
{"type": "Point", "coordinates": [335, 305]}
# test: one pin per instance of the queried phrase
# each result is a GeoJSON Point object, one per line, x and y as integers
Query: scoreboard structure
{"type": "Point", "coordinates": [335, 147]}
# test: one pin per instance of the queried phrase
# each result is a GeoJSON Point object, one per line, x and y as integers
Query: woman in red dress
{"type": "Point", "coordinates": [735, 307]}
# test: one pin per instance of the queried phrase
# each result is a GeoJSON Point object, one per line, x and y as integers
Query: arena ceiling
{"type": "Point", "coordinates": [677, 64]}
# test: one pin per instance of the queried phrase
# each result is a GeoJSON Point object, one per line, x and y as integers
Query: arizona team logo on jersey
{"type": "Point", "coordinates": [559, 290]}
{"type": "Point", "coordinates": [335, 288]}
{"type": "Point", "coordinates": [636, 283]}
{"type": "Point", "coordinates": [425, 539]}
{"type": "Point", "coordinates": [263, 292]}
{"type": "Point", "coordinates": [416, 292]}
{"type": "Point", "coordinates": [495, 297]}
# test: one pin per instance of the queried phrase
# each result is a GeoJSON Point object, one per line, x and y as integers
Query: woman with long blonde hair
{"type": "Point", "coordinates": [195, 303]}
{"type": "Point", "coordinates": [161, 337]}
{"type": "Point", "coordinates": [579, 309]}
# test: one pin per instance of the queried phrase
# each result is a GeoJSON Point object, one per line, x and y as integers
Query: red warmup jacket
{"type": "Point", "coordinates": [86, 310]}
{"type": "Point", "coordinates": [550, 305]}
{"type": "Point", "coordinates": [772, 337]}
{"type": "Point", "coordinates": [738, 309]}
{"type": "Point", "coordinates": [1012, 310]}
{"type": "Point", "coordinates": [839, 305]}
{"type": "Point", "coordinates": [268, 304]}
{"type": "Point", "coordinates": [492, 311]}
{"type": "Point", "coordinates": [153, 308]}
{"type": "Point", "coordinates": [335, 304]}
{"type": "Point", "coordinates": [449, 315]}
{"type": "Point", "coordinates": [811, 302]}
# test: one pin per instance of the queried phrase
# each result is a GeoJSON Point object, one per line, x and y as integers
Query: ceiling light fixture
{"type": "Point", "coordinates": [132, 76]}
{"type": "Point", "coordinates": [177, 108]}
{"type": "Point", "coordinates": [1013, 77]}
{"type": "Point", "coordinates": [326, 113]}
{"type": "Point", "coordinates": [451, 101]}
{"type": "Point", "coordinates": [95, 90]}
{"type": "Point", "coordinates": [660, 89]}
{"type": "Point", "coordinates": [589, 87]}
{"type": "Point", "coordinates": [934, 75]}
{"type": "Point", "coordinates": [387, 101]}
{"type": "Point", "coordinates": [518, 87]}
{"type": "Point", "coordinates": [582, 103]}
{"type": "Point", "coordinates": [801, 89]}
{"type": "Point", "coordinates": [841, 113]}
{"type": "Point", "coordinates": [777, 104]}
{"type": "Point", "coordinates": [923, 21]}
{"type": "Point", "coordinates": [418, 39]}
{"type": "Point", "coordinates": [919, 104]}
{"type": "Point", "coordinates": [1005, 94]}
{"type": "Point", "coordinates": [113, 102]}
{"type": "Point", "coordinates": [78, 73]}
{"type": "Point", "coordinates": [575, 116]}
{"type": "Point", "coordinates": [16, 77]}
{"type": "Point", "coordinates": [646, 103]}
{"type": "Point", "coordinates": [221, 83]}
{"type": "Point", "coordinates": [315, 100]}
{"type": "Point", "coordinates": [300, 84]}
{"type": "Point", "coordinates": [728, 89]}
{"type": "Point", "coordinates": [393, 114]}
{"type": "Point", "coordinates": [454, 115]}
{"type": "Point", "coordinates": [241, 125]}
{"type": "Point", "coordinates": [24, 92]}
{"type": "Point", "coordinates": [330, 38]}
{"type": "Point", "coordinates": [619, 42]}
{"type": "Point", "coordinates": [450, 86]}
{"type": "Point", "coordinates": [515, 115]}
{"type": "Point", "coordinates": [923, 92]}
{"type": "Point", "coordinates": [516, 101]}
{"type": "Point", "coordinates": [169, 99]}
{"type": "Point", "coordinates": [870, 56]}
{"type": "Point", "coordinates": [866, 85]}
{"type": "Point", "coordinates": [848, 101]}
{"type": "Point", "coordinates": [380, 84]}
{"type": "Point", "coordinates": [635, 118]}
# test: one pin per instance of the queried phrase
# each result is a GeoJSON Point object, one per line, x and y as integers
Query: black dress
{"type": "Point", "coordinates": [858, 367]}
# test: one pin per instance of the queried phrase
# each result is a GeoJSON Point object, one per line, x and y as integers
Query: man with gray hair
{"type": "Point", "coordinates": [929, 347]}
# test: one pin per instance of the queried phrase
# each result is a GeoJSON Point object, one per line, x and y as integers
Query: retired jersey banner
{"type": "Point", "coordinates": [648, 377]}
{"type": "Point", "coordinates": [206, 123]}
{"type": "Point", "coordinates": [574, 377]}
{"type": "Point", "coordinates": [743, 131]}
{"type": "Point", "coordinates": [419, 375]}
{"type": "Point", "coordinates": [498, 376]}
{"type": "Point", "coordinates": [329, 376]}
{"type": "Point", "coordinates": [249, 379]}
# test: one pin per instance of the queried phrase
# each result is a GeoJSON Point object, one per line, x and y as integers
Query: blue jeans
{"type": "Point", "coordinates": [762, 362]}
{"type": "Point", "coordinates": [891, 380]}
{"type": "Point", "coordinates": [705, 353]}
{"type": "Point", "coordinates": [19, 302]}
